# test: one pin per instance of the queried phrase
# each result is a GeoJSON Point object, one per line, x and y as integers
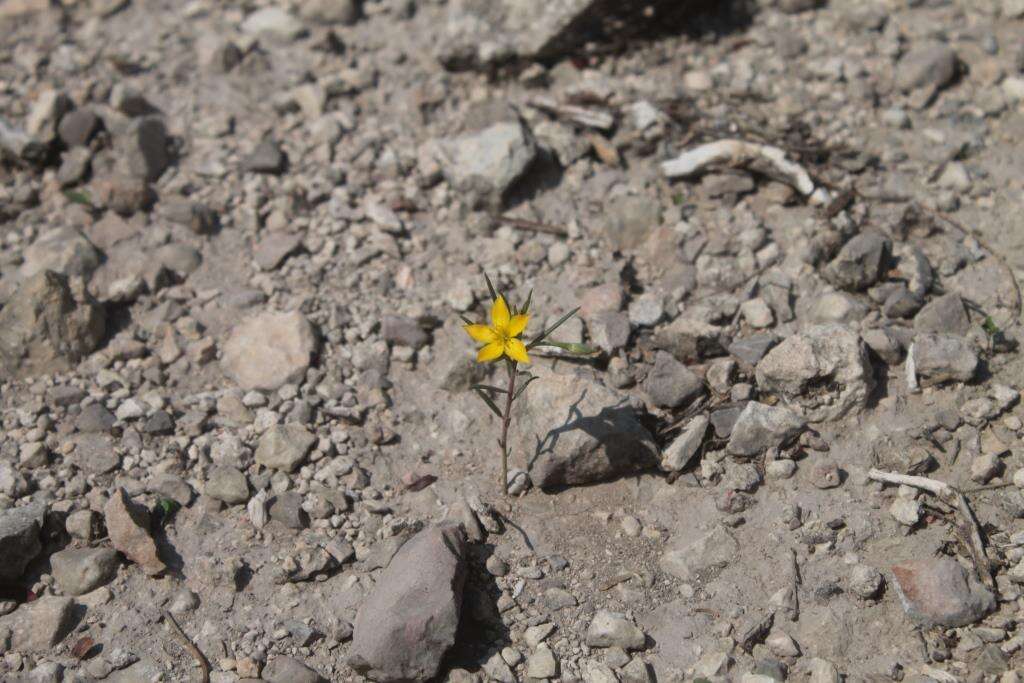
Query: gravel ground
{"type": "Point", "coordinates": [239, 441]}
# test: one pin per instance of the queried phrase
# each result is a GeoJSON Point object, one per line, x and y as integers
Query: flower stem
{"type": "Point", "coordinates": [505, 420]}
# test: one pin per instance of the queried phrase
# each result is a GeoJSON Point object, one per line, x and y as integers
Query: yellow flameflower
{"type": "Point", "coordinates": [499, 338]}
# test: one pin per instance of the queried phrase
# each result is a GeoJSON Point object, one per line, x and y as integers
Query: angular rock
{"type": "Point", "coordinates": [629, 220]}
{"type": "Point", "coordinates": [63, 250]}
{"type": "Point", "coordinates": [407, 624]}
{"type": "Point", "coordinates": [269, 349]}
{"type": "Point", "coordinates": [680, 452]}
{"type": "Point", "coordinates": [77, 128]}
{"type": "Point", "coordinates": [46, 113]}
{"type": "Point", "coordinates": [286, 508]}
{"type": "Point", "coordinates": [45, 329]}
{"type": "Point", "coordinates": [273, 249]}
{"type": "Point", "coordinates": [283, 669]}
{"type": "Point", "coordinates": [227, 484]}
{"type": "Point", "coordinates": [945, 314]}
{"type": "Point", "coordinates": [670, 384]}
{"type": "Point", "coordinates": [931, 65]}
{"type": "Point", "coordinates": [144, 148]}
{"type": "Point", "coordinates": [859, 263]}
{"type": "Point", "coordinates": [284, 447]}
{"type": "Point", "coordinates": [485, 164]}
{"type": "Point", "coordinates": [712, 551]}
{"type": "Point", "coordinates": [80, 570]}
{"type": "Point", "coordinates": [942, 358]}
{"type": "Point", "coordinates": [19, 538]}
{"type": "Point", "coordinates": [940, 592]}
{"type": "Point", "coordinates": [689, 339]}
{"type": "Point", "coordinates": [613, 629]}
{"type": "Point", "coordinates": [128, 527]}
{"type": "Point", "coordinates": [40, 625]}
{"type": "Point", "coordinates": [823, 372]}
{"type": "Point", "coordinates": [760, 427]}
{"type": "Point", "coordinates": [403, 330]}
{"type": "Point", "coordinates": [575, 431]}
{"type": "Point", "coordinates": [266, 157]}
{"type": "Point", "coordinates": [273, 22]}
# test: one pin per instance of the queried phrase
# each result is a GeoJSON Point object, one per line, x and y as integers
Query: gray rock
{"type": "Point", "coordinates": [266, 157]}
{"type": "Point", "coordinates": [629, 220]}
{"type": "Point", "coordinates": [284, 447]}
{"type": "Point", "coordinates": [179, 259]}
{"type": "Point", "coordinates": [859, 263]}
{"type": "Point", "coordinates": [940, 592]}
{"type": "Point", "coordinates": [542, 664]}
{"type": "Point", "coordinates": [95, 418]}
{"type": "Point", "coordinates": [80, 570]}
{"type": "Point", "coordinates": [63, 250]}
{"type": "Point", "coordinates": [823, 372]}
{"type": "Point", "coordinates": [74, 166]}
{"type": "Point", "coordinates": [273, 249]}
{"type": "Point", "coordinates": [487, 163]}
{"type": "Point", "coordinates": [407, 624]}
{"type": "Point", "coordinates": [752, 349]}
{"type": "Point", "coordinates": [689, 339]}
{"type": "Point", "coordinates": [77, 127]}
{"type": "Point", "coordinates": [575, 431]}
{"type": "Point", "coordinates": [670, 384]}
{"type": "Point", "coordinates": [274, 23]}
{"type": "Point", "coordinates": [712, 551]}
{"type": "Point", "coordinates": [931, 65]}
{"type": "Point", "coordinates": [40, 625]}
{"type": "Point", "coordinates": [684, 447]}
{"type": "Point", "coordinates": [344, 12]}
{"type": "Point", "coordinates": [283, 669]}
{"type": "Point", "coordinates": [45, 115]}
{"type": "Point", "coordinates": [403, 330]}
{"type": "Point", "coordinates": [942, 358]}
{"type": "Point", "coordinates": [128, 527]}
{"type": "Point", "coordinates": [945, 314]}
{"type": "Point", "coordinates": [286, 508]}
{"type": "Point", "coordinates": [613, 629]}
{"type": "Point", "coordinates": [269, 349]}
{"type": "Point", "coordinates": [724, 419]}
{"type": "Point", "coordinates": [760, 427]}
{"type": "Point", "coordinates": [19, 538]}
{"type": "Point", "coordinates": [45, 329]}
{"type": "Point", "coordinates": [865, 581]}
{"type": "Point", "coordinates": [227, 484]}
{"type": "Point", "coordinates": [609, 330]}
{"type": "Point", "coordinates": [144, 148]}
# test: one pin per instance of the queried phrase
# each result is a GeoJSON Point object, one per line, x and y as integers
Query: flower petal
{"type": "Point", "coordinates": [517, 324]}
{"type": "Point", "coordinates": [516, 350]}
{"type": "Point", "coordinates": [481, 333]}
{"type": "Point", "coordinates": [490, 352]}
{"type": "Point", "coordinates": [499, 314]}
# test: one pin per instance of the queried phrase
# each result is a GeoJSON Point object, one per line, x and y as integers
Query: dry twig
{"type": "Point", "coordinates": [204, 666]}
{"type": "Point", "coordinates": [967, 524]}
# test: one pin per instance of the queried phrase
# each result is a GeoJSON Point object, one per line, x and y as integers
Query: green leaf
{"type": "Point", "coordinates": [990, 326]}
{"type": "Point", "coordinates": [490, 287]}
{"type": "Point", "coordinates": [466, 320]}
{"type": "Point", "coordinates": [521, 389]}
{"type": "Point", "coordinates": [78, 197]}
{"type": "Point", "coordinates": [573, 348]}
{"type": "Point", "coordinates": [490, 403]}
{"type": "Point", "coordinates": [552, 328]}
{"type": "Point", "coordinates": [488, 387]}
{"type": "Point", "coordinates": [526, 306]}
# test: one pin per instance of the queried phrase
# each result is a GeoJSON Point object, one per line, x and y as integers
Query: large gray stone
{"type": "Point", "coordinates": [629, 220]}
{"type": "Point", "coordinates": [284, 447]}
{"type": "Point", "coordinates": [860, 262]}
{"type": "Point", "coordinates": [942, 358]}
{"type": "Point", "coordinates": [684, 447]}
{"type": "Point", "coordinates": [128, 526]}
{"type": "Point", "coordinates": [62, 250]}
{"type": "Point", "coordinates": [39, 625]}
{"type": "Point", "coordinates": [80, 570]}
{"type": "Point", "coordinates": [289, 670]}
{"type": "Point", "coordinates": [269, 350]}
{"type": "Point", "coordinates": [572, 430]}
{"type": "Point", "coordinates": [670, 384]}
{"type": "Point", "coordinates": [822, 373]}
{"type": "Point", "coordinates": [44, 328]}
{"type": "Point", "coordinates": [945, 314]}
{"type": "Point", "coordinates": [930, 65]}
{"type": "Point", "coordinates": [19, 538]}
{"type": "Point", "coordinates": [408, 623]}
{"type": "Point", "coordinates": [760, 427]}
{"type": "Point", "coordinates": [940, 592]}
{"type": "Point", "coordinates": [486, 163]}
{"type": "Point", "coordinates": [711, 551]}
{"type": "Point", "coordinates": [613, 629]}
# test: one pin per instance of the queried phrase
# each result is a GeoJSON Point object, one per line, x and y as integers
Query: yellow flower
{"type": "Point", "coordinates": [499, 338]}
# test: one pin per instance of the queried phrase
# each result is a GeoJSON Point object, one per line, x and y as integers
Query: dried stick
{"type": "Point", "coordinates": [204, 666]}
{"type": "Point", "coordinates": [967, 524]}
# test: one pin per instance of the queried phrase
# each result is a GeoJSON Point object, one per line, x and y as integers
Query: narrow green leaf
{"type": "Point", "coordinates": [490, 287]}
{"type": "Point", "coordinates": [488, 387]}
{"type": "Point", "coordinates": [552, 328]}
{"type": "Point", "coordinates": [78, 197]}
{"type": "Point", "coordinates": [521, 389]}
{"type": "Point", "coordinates": [571, 347]}
{"type": "Point", "coordinates": [490, 404]}
{"type": "Point", "coordinates": [526, 307]}
{"type": "Point", "coordinates": [466, 320]}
